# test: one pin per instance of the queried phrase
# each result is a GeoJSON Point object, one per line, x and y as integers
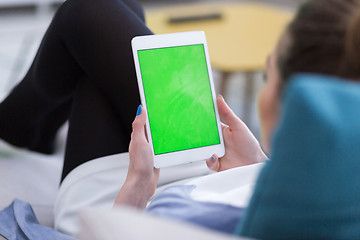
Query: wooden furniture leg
{"type": "Point", "coordinates": [223, 83]}
{"type": "Point", "coordinates": [249, 89]}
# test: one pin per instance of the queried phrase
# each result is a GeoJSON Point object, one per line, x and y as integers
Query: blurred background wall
{"type": "Point", "coordinates": [45, 3]}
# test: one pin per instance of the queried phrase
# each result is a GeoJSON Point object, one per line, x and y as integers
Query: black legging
{"type": "Point", "coordinates": [84, 72]}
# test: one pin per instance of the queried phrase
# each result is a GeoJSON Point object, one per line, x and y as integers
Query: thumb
{"type": "Point", "coordinates": [226, 113]}
{"type": "Point", "coordinates": [138, 125]}
{"type": "Point", "coordinates": [213, 163]}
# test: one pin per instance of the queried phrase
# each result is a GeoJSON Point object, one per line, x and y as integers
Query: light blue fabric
{"type": "Point", "coordinates": [311, 187]}
{"type": "Point", "coordinates": [175, 202]}
{"type": "Point", "coordinates": [18, 222]}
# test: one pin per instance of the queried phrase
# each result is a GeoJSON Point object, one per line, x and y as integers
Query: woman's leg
{"type": "Point", "coordinates": [84, 67]}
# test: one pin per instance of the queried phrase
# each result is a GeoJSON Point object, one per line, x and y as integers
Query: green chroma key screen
{"type": "Point", "coordinates": [178, 98]}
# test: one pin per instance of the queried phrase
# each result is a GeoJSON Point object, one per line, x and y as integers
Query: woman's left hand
{"type": "Point", "coordinates": [142, 178]}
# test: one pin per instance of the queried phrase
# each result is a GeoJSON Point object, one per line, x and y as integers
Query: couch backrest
{"type": "Point", "coordinates": [311, 187]}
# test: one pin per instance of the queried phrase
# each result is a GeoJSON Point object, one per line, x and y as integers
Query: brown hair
{"type": "Point", "coordinates": [325, 39]}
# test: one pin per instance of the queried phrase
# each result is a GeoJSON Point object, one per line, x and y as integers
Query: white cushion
{"type": "Point", "coordinates": [127, 223]}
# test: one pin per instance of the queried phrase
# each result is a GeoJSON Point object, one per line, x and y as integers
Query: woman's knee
{"type": "Point", "coordinates": [83, 16]}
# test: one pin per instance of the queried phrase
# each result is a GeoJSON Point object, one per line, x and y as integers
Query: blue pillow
{"type": "Point", "coordinates": [311, 187]}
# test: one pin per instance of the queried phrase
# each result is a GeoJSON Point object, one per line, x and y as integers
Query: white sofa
{"type": "Point", "coordinates": [30, 177]}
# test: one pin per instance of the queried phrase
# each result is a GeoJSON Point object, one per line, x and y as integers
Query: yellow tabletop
{"type": "Point", "coordinates": [239, 40]}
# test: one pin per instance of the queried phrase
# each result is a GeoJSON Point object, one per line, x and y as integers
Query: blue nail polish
{"type": "Point", "coordinates": [138, 112]}
{"type": "Point", "coordinates": [213, 159]}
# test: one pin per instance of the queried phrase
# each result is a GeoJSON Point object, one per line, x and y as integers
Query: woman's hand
{"type": "Point", "coordinates": [142, 177]}
{"type": "Point", "coordinates": [241, 147]}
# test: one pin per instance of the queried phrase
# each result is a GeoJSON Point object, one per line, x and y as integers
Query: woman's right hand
{"type": "Point", "coordinates": [241, 147]}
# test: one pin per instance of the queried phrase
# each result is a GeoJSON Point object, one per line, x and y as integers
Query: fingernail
{"type": "Point", "coordinates": [213, 159]}
{"type": "Point", "coordinates": [138, 112]}
{"type": "Point", "coordinates": [221, 96]}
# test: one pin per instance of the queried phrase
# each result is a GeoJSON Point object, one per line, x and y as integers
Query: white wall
{"type": "Point", "coordinates": [15, 3]}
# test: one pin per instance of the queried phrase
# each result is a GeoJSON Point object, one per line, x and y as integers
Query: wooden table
{"type": "Point", "coordinates": [240, 35]}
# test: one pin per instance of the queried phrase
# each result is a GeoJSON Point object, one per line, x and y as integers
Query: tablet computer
{"type": "Point", "coordinates": [177, 90]}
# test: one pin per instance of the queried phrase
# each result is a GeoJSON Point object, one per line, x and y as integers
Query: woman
{"type": "Point", "coordinates": [322, 39]}
{"type": "Point", "coordinates": [334, 38]}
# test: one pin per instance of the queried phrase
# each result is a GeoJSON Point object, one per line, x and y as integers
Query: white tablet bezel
{"type": "Point", "coordinates": [173, 40]}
